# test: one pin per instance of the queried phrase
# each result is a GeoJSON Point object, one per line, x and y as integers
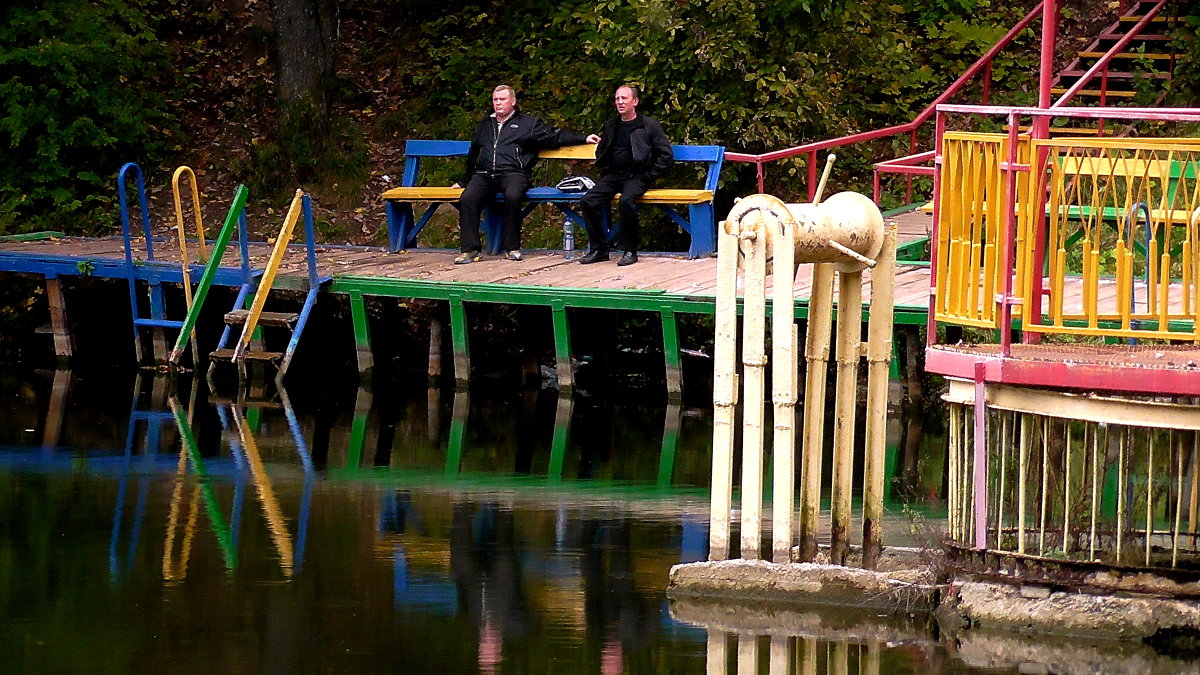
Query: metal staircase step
{"type": "Point", "coordinates": [1108, 35]}
{"type": "Point", "coordinates": [227, 355]}
{"type": "Point", "coordinates": [1111, 93]}
{"type": "Point", "coordinates": [1121, 75]}
{"type": "Point", "coordinates": [283, 319]}
{"type": "Point", "coordinates": [1155, 56]}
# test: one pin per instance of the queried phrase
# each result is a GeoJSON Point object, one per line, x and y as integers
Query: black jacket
{"type": "Point", "coordinates": [517, 147]}
{"type": "Point", "coordinates": [652, 155]}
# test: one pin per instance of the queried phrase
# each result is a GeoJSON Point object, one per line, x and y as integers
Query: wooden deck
{"type": "Point", "coordinates": [670, 274]}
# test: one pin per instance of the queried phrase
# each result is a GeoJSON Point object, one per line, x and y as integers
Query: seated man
{"type": "Point", "coordinates": [633, 151]}
{"type": "Point", "coordinates": [502, 154]}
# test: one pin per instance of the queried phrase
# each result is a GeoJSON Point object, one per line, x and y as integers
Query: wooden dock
{"type": "Point", "coordinates": [665, 284]}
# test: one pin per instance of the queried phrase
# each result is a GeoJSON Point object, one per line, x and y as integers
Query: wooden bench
{"type": "Point", "coordinates": [403, 227]}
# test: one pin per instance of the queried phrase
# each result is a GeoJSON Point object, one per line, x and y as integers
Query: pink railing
{"type": "Point", "coordinates": [983, 64]}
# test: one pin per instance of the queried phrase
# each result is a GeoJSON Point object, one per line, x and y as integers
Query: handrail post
{"type": "Point", "coordinates": [1010, 219]}
{"type": "Point", "coordinates": [931, 314]}
{"type": "Point", "coordinates": [812, 174]}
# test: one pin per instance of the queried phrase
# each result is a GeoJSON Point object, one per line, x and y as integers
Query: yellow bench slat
{"type": "Point", "coordinates": [584, 151]}
{"type": "Point", "coordinates": [433, 194]}
{"type": "Point", "coordinates": [668, 196]}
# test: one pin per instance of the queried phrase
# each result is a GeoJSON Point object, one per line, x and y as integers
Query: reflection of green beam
{"type": "Point", "coordinates": [487, 481]}
{"type": "Point", "coordinates": [220, 527]}
{"type": "Point", "coordinates": [358, 438]}
{"type": "Point", "coordinates": [670, 442]}
{"type": "Point", "coordinates": [458, 429]}
{"type": "Point", "coordinates": [558, 443]}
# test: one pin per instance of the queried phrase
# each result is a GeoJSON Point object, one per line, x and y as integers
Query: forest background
{"type": "Point", "coordinates": [322, 94]}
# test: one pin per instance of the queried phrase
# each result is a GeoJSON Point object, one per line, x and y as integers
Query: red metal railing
{"type": "Point", "coordinates": [983, 64]}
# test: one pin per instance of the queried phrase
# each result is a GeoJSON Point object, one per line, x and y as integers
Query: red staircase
{"type": "Point", "coordinates": [1123, 59]}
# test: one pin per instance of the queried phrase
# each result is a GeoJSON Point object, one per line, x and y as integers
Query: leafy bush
{"type": "Point", "coordinates": [753, 76]}
{"type": "Point", "coordinates": [79, 85]}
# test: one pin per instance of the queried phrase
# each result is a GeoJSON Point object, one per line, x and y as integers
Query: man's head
{"type": "Point", "coordinates": [504, 100]}
{"type": "Point", "coordinates": [626, 101]}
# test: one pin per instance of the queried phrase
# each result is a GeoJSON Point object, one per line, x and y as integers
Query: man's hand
{"type": "Point", "coordinates": [593, 139]}
{"type": "Point", "coordinates": [456, 185]}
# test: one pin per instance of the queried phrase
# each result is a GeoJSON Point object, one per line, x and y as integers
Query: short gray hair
{"type": "Point", "coordinates": [504, 87]}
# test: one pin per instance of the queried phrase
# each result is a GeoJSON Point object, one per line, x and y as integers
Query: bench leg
{"type": "Point", "coordinates": [400, 225]}
{"type": "Point", "coordinates": [493, 228]}
{"type": "Point", "coordinates": [704, 230]}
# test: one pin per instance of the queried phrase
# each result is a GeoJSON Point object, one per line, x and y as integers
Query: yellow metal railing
{"type": "Point", "coordinates": [1122, 257]}
{"type": "Point", "coordinates": [971, 228]}
{"type": "Point", "coordinates": [1118, 220]}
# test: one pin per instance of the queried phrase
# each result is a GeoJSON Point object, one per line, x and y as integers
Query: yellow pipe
{"type": "Point", "coordinates": [816, 355]}
{"type": "Point", "coordinates": [725, 393]}
{"type": "Point", "coordinates": [783, 384]}
{"type": "Point", "coordinates": [268, 278]}
{"type": "Point", "coordinates": [879, 353]}
{"type": "Point", "coordinates": [754, 362]}
{"type": "Point", "coordinates": [849, 337]}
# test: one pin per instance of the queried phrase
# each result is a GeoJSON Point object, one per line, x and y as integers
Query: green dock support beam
{"type": "Point", "coordinates": [671, 355]}
{"type": "Point", "coordinates": [458, 337]}
{"type": "Point", "coordinates": [358, 429]}
{"type": "Point", "coordinates": [362, 333]}
{"type": "Point", "coordinates": [670, 443]}
{"type": "Point", "coordinates": [458, 432]}
{"type": "Point", "coordinates": [562, 346]}
{"type": "Point", "coordinates": [562, 433]}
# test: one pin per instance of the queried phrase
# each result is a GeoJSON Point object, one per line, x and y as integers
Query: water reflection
{"type": "Point", "coordinates": [324, 529]}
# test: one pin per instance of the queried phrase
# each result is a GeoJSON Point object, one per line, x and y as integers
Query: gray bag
{"type": "Point", "coordinates": [576, 184]}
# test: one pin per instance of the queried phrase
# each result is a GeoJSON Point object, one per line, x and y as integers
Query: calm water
{"type": "Point", "coordinates": [515, 533]}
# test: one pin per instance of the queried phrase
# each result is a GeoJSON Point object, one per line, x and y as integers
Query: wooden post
{"type": "Point", "coordinates": [816, 353]}
{"type": "Point", "coordinates": [435, 351]}
{"type": "Point", "coordinates": [879, 354]}
{"type": "Point", "coordinates": [754, 362]}
{"type": "Point", "coordinates": [64, 346]}
{"type": "Point", "coordinates": [783, 385]}
{"type": "Point", "coordinates": [725, 395]}
{"type": "Point", "coordinates": [458, 430]}
{"type": "Point", "coordinates": [849, 337]}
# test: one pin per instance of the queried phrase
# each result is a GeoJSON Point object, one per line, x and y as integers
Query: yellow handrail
{"type": "Point", "coordinates": [268, 277]}
{"type": "Point", "coordinates": [184, 258]}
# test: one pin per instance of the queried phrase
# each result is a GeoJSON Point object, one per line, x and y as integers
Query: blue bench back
{"type": "Point", "coordinates": [713, 155]}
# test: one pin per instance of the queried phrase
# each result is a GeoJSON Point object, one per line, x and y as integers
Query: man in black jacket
{"type": "Point", "coordinates": [633, 151]}
{"type": "Point", "coordinates": [502, 154]}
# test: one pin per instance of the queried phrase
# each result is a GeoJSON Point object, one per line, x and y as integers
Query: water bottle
{"type": "Point", "coordinates": [568, 236]}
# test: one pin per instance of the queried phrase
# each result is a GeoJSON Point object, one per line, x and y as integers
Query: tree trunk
{"type": "Point", "coordinates": [306, 34]}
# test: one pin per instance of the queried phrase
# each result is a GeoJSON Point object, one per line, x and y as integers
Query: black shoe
{"type": "Point", "coordinates": [594, 256]}
{"type": "Point", "coordinates": [629, 258]}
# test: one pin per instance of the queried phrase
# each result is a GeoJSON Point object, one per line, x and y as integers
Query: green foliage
{"type": "Point", "coordinates": [80, 85]}
{"type": "Point", "coordinates": [308, 151]}
{"type": "Point", "coordinates": [1185, 80]}
{"type": "Point", "coordinates": [753, 76]}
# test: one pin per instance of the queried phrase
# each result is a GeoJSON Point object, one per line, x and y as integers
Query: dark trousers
{"type": "Point", "coordinates": [479, 191]}
{"type": "Point", "coordinates": [596, 201]}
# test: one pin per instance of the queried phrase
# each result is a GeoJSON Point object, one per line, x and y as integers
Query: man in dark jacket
{"type": "Point", "coordinates": [633, 151]}
{"type": "Point", "coordinates": [502, 154]}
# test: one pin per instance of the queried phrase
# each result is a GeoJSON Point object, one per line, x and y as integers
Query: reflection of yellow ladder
{"type": "Point", "coordinates": [276, 522]}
